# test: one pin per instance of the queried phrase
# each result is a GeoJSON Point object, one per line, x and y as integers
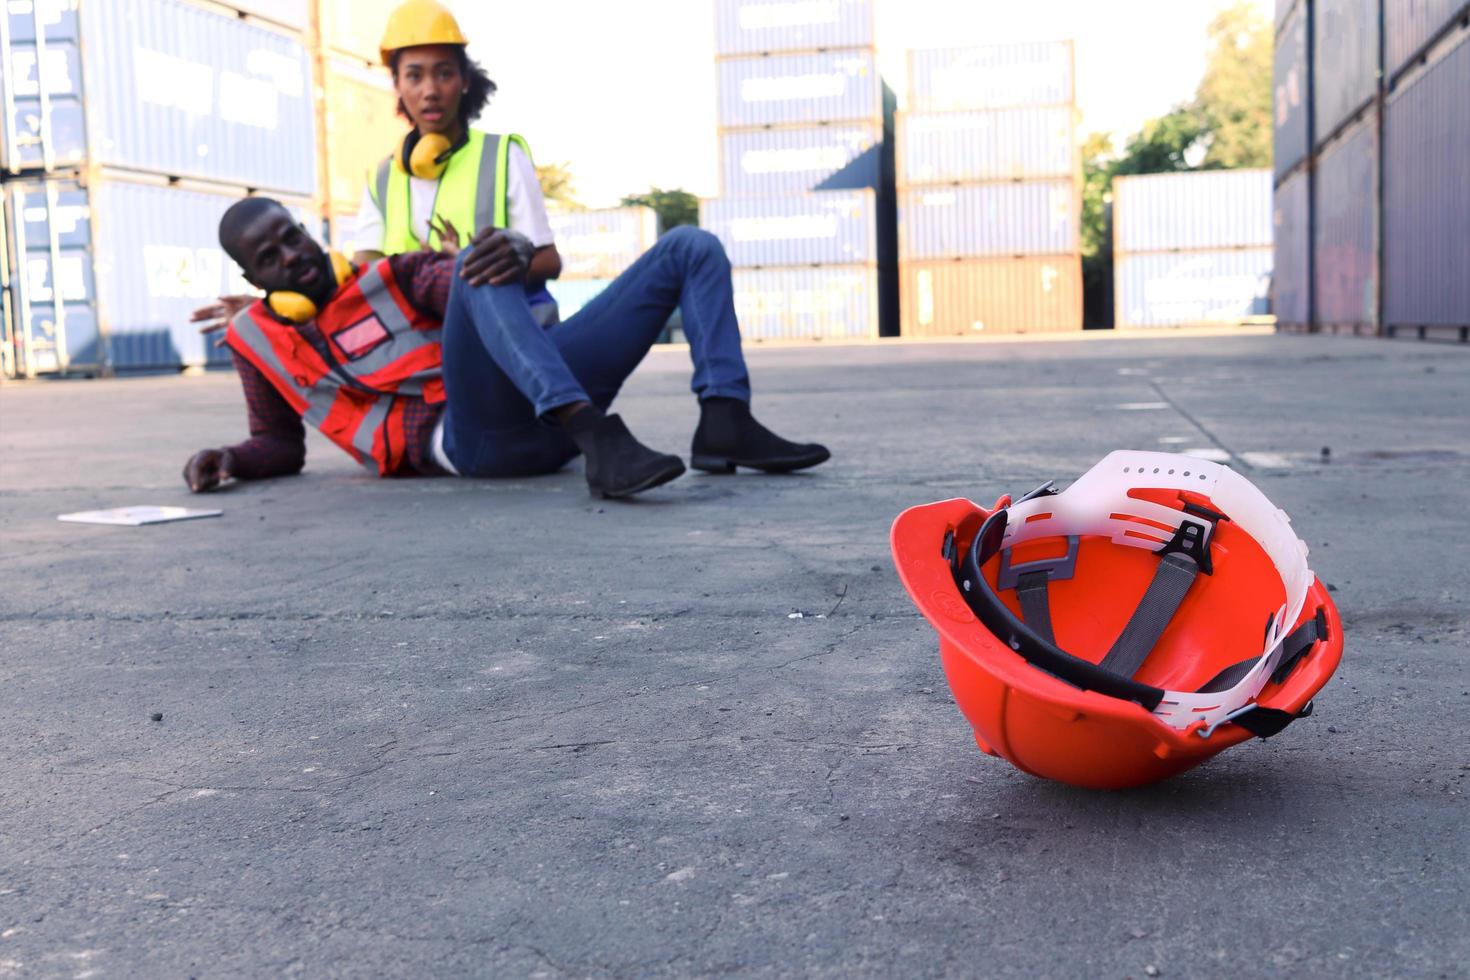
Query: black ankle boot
{"type": "Point", "coordinates": [618, 465]}
{"type": "Point", "coordinates": [729, 436]}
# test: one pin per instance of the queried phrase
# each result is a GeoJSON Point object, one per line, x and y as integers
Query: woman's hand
{"type": "Point", "coordinates": [449, 240]}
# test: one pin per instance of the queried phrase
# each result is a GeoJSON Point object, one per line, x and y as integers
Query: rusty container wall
{"type": "Point", "coordinates": [1039, 217]}
{"type": "Point", "coordinates": [1291, 273]}
{"type": "Point", "coordinates": [744, 27]}
{"type": "Point", "coordinates": [831, 302]}
{"type": "Point", "coordinates": [1410, 25]}
{"type": "Point", "coordinates": [354, 27]}
{"type": "Point", "coordinates": [1345, 57]}
{"type": "Point", "coordinates": [1205, 209]}
{"type": "Point", "coordinates": [799, 89]}
{"type": "Point", "coordinates": [990, 144]}
{"type": "Point", "coordinates": [362, 127]}
{"type": "Point", "coordinates": [1291, 92]}
{"type": "Point", "coordinates": [1426, 194]}
{"type": "Point", "coordinates": [1344, 240]}
{"type": "Point", "coordinates": [976, 297]}
{"type": "Point", "coordinates": [991, 77]}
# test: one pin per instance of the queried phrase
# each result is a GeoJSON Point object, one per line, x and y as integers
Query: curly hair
{"type": "Point", "coordinates": [478, 83]}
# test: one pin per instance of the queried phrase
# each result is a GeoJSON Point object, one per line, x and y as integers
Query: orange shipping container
{"type": "Point", "coordinates": [361, 127]}
{"type": "Point", "coordinates": [354, 27]}
{"type": "Point", "coordinates": [972, 297]}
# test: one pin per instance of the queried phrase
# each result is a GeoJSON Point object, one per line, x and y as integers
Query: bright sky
{"type": "Point", "coordinates": [623, 91]}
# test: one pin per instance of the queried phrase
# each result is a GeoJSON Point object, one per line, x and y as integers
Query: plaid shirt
{"type": "Point", "coordinates": [277, 443]}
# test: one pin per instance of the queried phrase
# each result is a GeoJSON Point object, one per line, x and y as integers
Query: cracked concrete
{"type": "Point", "coordinates": [441, 727]}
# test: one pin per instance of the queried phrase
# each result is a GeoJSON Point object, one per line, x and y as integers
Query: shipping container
{"type": "Point", "coordinates": [760, 26]}
{"type": "Point", "coordinates": [1344, 233]}
{"type": "Point", "coordinates": [1426, 195]}
{"type": "Point", "coordinates": [1169, 289]}
{"type": "Point", "coordinates": [573, 294]}
{"type": "Point", "coordinates": [41, 87]}
{"type": "Point", "coordinates": [800, 89]}
{"type": "Point", "coordinates": [764, 163]}
{"type": "Point", "coordinates": [361, 127]}
{"type": "Point", "coordinates": [992, 77]}
{"type": "Point", "coordinates": [980, 297]}
{"type": "Point", "coordinates": [354, 27]}
{"type": "Point", "coordinates": [822, 228]}
{"type": "Point", "coordinates": [975, 220]}
{"type": "Point", "coordinates": [1284, 7]}
{"type": "Point", "coordinates": [1410, 25]}
{"type": "Point", "coordinates": [831, 302]}
{"type": "Point", "coordinates": [1291, 98]}
{"type": "Point", "coordinates": [294, 14]}
{"type": "Point", "coordinates": [1291, 271]}
{"type": "Point", "coordinates": [9, 337]}
{"type": "Point", "coordinates": [163, 86]}
{"type": "Point", "coordinates": [994, 144]}
{"type": "Point", "coordinates": [1345, 61]}
{"type": "Point", "coordinates": [107, 276]}
{"type": "Point", "coordinates": [1204, 209]}
{"type": "Point", "coordinates": [601, 244]}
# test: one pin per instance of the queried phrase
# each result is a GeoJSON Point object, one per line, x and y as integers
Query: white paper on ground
{"type": "Point", "coordinates": [136, 516]}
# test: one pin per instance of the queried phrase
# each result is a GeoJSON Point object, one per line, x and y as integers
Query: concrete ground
{"type": "Point", "coordinates": [444, 727]}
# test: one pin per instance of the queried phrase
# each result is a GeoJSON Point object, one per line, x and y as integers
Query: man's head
{"type": "Point", "coordinates": [440, 90]}
{"type": "Point", "coordinates": [274, 250]}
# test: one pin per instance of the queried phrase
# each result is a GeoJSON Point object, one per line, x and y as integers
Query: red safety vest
{"type": "Point", "coordinates": [380, 348]}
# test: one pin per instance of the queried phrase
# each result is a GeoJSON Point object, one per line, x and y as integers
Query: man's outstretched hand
{"type": "Point", "coordinates": [498, 257]}
{"type": "Point", "coordinates": [208, 468]}
{"type": "Point", "coordinates": [218, 315]}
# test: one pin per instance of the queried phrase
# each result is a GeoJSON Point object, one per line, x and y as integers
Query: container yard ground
{"type": "Point", "coordinates": [441, 727]}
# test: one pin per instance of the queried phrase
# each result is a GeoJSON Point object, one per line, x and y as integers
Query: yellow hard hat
{"type": "Point", "coordinates": [419, 22]}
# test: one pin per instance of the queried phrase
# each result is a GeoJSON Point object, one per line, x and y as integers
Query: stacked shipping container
{"type": "Point", "coordinates": [989, 192]}
{"type": "Point", "coordinates": [117, 116]}
{"type": "Point", "coordinates": [1372, 211]}
{"type": "Point", "coordinates": [595, 247]}
{"type": "Point", "coordinates": [1191, 248]}
{"type": "Point", "coordinates": [806, 210]}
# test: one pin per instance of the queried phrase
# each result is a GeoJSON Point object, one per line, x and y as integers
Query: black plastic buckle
{"type": "Point", "coordinates": [1193, 540]}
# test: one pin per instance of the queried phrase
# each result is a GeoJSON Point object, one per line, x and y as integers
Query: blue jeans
{"type": "Point", "coordinates": [503, 373]}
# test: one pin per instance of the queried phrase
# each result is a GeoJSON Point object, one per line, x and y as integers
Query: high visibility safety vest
{"type": "Point", "coordinates": [474, 193]}
{"type": "Point", "coordinates": [378, 347]}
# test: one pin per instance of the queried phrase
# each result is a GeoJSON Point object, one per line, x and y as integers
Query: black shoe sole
{"type": "Point", "coordinates": [727, 464]}
{"type": "Point", "coordinates": [671, 472]}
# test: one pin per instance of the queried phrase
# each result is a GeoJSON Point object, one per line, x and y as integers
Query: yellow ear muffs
{"type": "Point", "coordinates": [430, 156]}
{"type": "Point", "coordinates": [296, 308]}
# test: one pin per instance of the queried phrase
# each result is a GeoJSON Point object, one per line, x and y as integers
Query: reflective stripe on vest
{"type": "Point", "coordinates": [379, 346]}
{"type": "Point", "coordinates": [473, 192]}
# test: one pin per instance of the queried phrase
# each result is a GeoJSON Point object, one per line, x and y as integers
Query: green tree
{"type": "Point", "coordinates": [674, 207]}
{"type": "Point", "coordinates": [1226, 125]}
{"type": "Point", "coordinates": [557, 185]}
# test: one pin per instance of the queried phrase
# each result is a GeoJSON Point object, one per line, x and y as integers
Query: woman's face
{"type": "Point", "coordinates": [430, 84]}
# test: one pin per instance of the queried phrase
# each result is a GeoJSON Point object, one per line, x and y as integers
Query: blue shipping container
{"type": "Point", "coordinates": [992, 77]}
{"type": "Point", "coordinates": [809, 303]}
{"type": "Point", "coordinates": [1408, 25]}
{"type": "Point", "coordinates": [764, 163]}
{"type": "Point", "coordinates": [165, 87]}
{"type": "Point", "coordinates": [1426, 196]}
{"type": "Point", "coordinates": [824, 228]}
{"type": "Point", "coordinates": [993, 144]}
{"type": "Point", "coordinates": [1291, 94]}
{"type": "Point", "coordinates": [1344, 233]}
{"type": "Point", "coordinates": [800, 89]}
{"type": "Point", "coordinates": [1344, 62]}
{"type": "Point", "coordinates": [757, 26]}
{"type": "Point", "coordinates": [1204, 209]}
{"type": "Point", "coordinates": [125, 288]}
{"type": "Point", "coordinates": [1291, 273]}
{"type": "Point", "coordinates": [1163, 289]}
{"type": "Point", "coordinates": [1040, 217]}
{"type": "Point", "coordinates": [41, 87]}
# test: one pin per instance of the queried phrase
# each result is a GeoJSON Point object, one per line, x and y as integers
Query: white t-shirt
{"type": "Point", "coordinates": [526, 208]}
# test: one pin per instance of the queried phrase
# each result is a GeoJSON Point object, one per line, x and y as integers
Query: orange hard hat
{"type": "Point", "coordinates": [1158, 611]}
{"type": "Point", "coordinates": [419, 22]}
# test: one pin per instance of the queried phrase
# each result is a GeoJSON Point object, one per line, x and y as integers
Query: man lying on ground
{"type": "Point", "coordinates": [428, 363]}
